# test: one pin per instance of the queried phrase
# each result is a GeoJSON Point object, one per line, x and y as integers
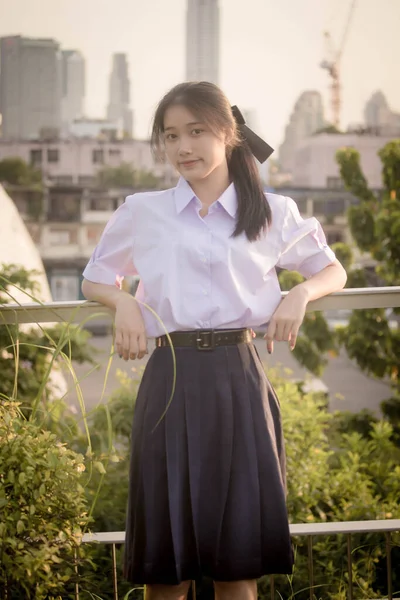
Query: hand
{"type": "Point", "coordinates": [287, 319]}
{"type": "Point", "coordinates": [130, 332]}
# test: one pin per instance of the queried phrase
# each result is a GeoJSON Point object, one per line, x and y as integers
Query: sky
{"type": "Point", "coordinates": [270, 51]}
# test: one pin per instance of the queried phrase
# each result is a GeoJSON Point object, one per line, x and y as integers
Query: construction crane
{"type": "Point", "coordinates": [332, 64]}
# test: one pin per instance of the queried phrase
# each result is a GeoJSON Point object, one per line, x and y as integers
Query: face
{"type": "Point", "coordinates": [191, 147]}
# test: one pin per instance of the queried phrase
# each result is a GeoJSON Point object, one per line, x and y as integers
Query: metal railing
{"type": "Point", "coordinates": [349, 528]}
{"type": "Point", "coordinates": [349, 299]}
{"type": "Point", "coordinates": [80, 311]}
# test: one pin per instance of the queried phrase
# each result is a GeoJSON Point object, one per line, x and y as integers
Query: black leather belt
{"type": "Point", "coordinates": [206, 339]}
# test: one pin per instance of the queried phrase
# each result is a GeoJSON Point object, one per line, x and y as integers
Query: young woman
{"type": "Point", "coordinates": [207, 477]}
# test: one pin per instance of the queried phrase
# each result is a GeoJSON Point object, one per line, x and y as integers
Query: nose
{"type": "Point", "coordinates": [184, 146]}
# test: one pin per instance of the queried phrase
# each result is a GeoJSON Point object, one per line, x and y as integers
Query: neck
{"type": "Point", "coordinates": [211, 188]}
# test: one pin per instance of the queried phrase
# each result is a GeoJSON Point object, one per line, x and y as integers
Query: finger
{"type": "Point", "coordinates": [269, 336]}
{"type": "Point", "coordinates": [286, 330]}
{"type": "Point", "coordinates": [253, 333]}
{"type": "Point", "coordinates": [293, 337]}
{"type": "Point", "coordinates": [279, 330]}
{"type": "Point", "coordinates": [142, 345]}
{"type": "Point", "coordinates": [133, 346]}
{"type": "Point", "coordinates": [292, 341]}
{"type": "Point", "coordinates": [125, 345]}
{"type": "Point", "coordinates": [118, 342]}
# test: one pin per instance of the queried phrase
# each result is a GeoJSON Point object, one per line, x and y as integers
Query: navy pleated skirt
{"type": "Point", "coordinates": [207, 492]}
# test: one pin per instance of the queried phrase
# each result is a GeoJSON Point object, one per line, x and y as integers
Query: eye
{"type": "Point", "coordinates": [170, 136]}
{"type": "Point", "coordinates": [197, 131]}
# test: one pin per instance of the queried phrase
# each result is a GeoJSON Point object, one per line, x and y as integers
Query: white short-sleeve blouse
{"type": "Point", "coordinates": [193, 274]}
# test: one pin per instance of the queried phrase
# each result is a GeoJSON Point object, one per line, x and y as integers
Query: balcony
{"type": "Point", "coordinates": [349, 299]}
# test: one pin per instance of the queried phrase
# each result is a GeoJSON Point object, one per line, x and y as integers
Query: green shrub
{"type": "Point", "coordinates": [43, 509]}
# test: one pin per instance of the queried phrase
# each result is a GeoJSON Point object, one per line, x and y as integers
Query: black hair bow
{"type": "Point", "coordinates": [260, 149]}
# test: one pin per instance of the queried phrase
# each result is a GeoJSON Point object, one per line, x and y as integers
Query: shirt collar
{"type": "Point", "coordinates": [184, 194]}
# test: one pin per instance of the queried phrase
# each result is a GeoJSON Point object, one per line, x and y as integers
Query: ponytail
{"type": "Point", "coordinates": [254, 212]}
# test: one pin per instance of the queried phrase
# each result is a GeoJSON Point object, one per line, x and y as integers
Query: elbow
{"type": "Point", "coordinates": [85, 288]}
{"type": "Point", "coordinates": [344, 277]}
{"type": "Point", "coordinates": [341, 274]}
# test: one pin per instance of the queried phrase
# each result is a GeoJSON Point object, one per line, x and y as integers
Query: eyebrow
{"type": "Point", "coordinates": [187, 125]}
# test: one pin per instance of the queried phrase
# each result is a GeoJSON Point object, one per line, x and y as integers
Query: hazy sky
{"type": "Point", "coordinates": [270, 50]}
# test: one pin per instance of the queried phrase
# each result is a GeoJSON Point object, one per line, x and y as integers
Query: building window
{"type": "Point", "coordinates": [302, 205]}
{"type": "Point", "coordinates": [64, 180]}
{"type": "Point", "coordinates": [64, 286]}
{"type": "Point", "coordinates": [36, 157]}
{"type": "Point", "coordinates": [334, 183]}
{"type": "Point", "coordinates": [59, 237]}
{"type": "Point", "coordinates": [102, 204]}
{"type": "Point", "coordinates": [93, 234]}
{"type": "Point", "coordinates": [86, 180]}
{"type": "Point", "coordinates": [53, 155]}
{"type": "Point", "coordinates": [64, 207]}
{"type": "Point", "coordinates": [335, 206]}
{"type": "Point", "coordinates": [115, 152]}
{"type": "Point", "coordinates": [98, 156]}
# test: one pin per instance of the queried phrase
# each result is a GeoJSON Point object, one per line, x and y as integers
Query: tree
{"type": "Point", "coordinates": [17, 172]}
{"type": "Point", "coordinates": [329, 128]}
{"type": "Point", "coordinates": [372, 337]}
{"type": "Point", "coordinates": [125, 176]}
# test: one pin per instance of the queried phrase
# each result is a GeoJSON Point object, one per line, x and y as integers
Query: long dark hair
{"type": "Point", "coordinates": [206, 99]}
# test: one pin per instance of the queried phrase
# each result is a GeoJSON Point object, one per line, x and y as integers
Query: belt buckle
{"type": "Point", "coordinates": [205, 339]}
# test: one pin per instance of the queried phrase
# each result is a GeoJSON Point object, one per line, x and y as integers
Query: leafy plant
{"type": "Point", "coordinates": [43, 505]}
{"type": "Point", "coordinates": [370, 339]}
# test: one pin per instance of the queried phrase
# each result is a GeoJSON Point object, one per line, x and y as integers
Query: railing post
{"type": "Point", "coordinates": [114, 572]}
{"type": "Point", "coordinates": [77, 573]}
{"type": "Point", "coordinates": [389, 565]}
{"type": "Point", "coordinates": [310, 566]}
{"type": "Point", "coordinates": [350, 566]}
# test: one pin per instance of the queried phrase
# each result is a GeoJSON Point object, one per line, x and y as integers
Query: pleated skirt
{"type": "Point", "coordinates": [207, 487]}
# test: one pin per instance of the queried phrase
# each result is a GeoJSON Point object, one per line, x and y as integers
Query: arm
{"type": "Point", "coordinates": [331, 279]}
{"type": "Point", "coordinates": [288, 317]}
{"type": "Point", "coordinates": [109, 295]}
{"type": "Point", "coordinates": [303, 249]}
{"type": "Point", "coordinates": [114, 256]}
{"type": "Point", "coordinates": [130, 333]}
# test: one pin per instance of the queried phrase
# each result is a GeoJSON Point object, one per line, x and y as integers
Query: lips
{"type": "Point", "coordinates": [189, 163]}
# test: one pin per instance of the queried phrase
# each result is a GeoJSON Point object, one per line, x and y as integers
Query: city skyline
{"type": "Point", "coordinates": [263, 68]}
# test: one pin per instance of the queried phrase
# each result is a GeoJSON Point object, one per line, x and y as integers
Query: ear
{"type": "Point", "coordinates": [228, 137]}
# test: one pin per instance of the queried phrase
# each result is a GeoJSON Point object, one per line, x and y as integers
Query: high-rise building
{"type": "Point", "coordinates": [119, 95]}
{"type": "Point", "coordinates": [307, 118]}
{"type": "Point", "coordinates": [380, 117]}
{"type": "Point", "coordinates": [29, 87]}
{"type": "Point", "coordinates": [72, 87]}
{"type": "Point", "coordinates": [202, 41]}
